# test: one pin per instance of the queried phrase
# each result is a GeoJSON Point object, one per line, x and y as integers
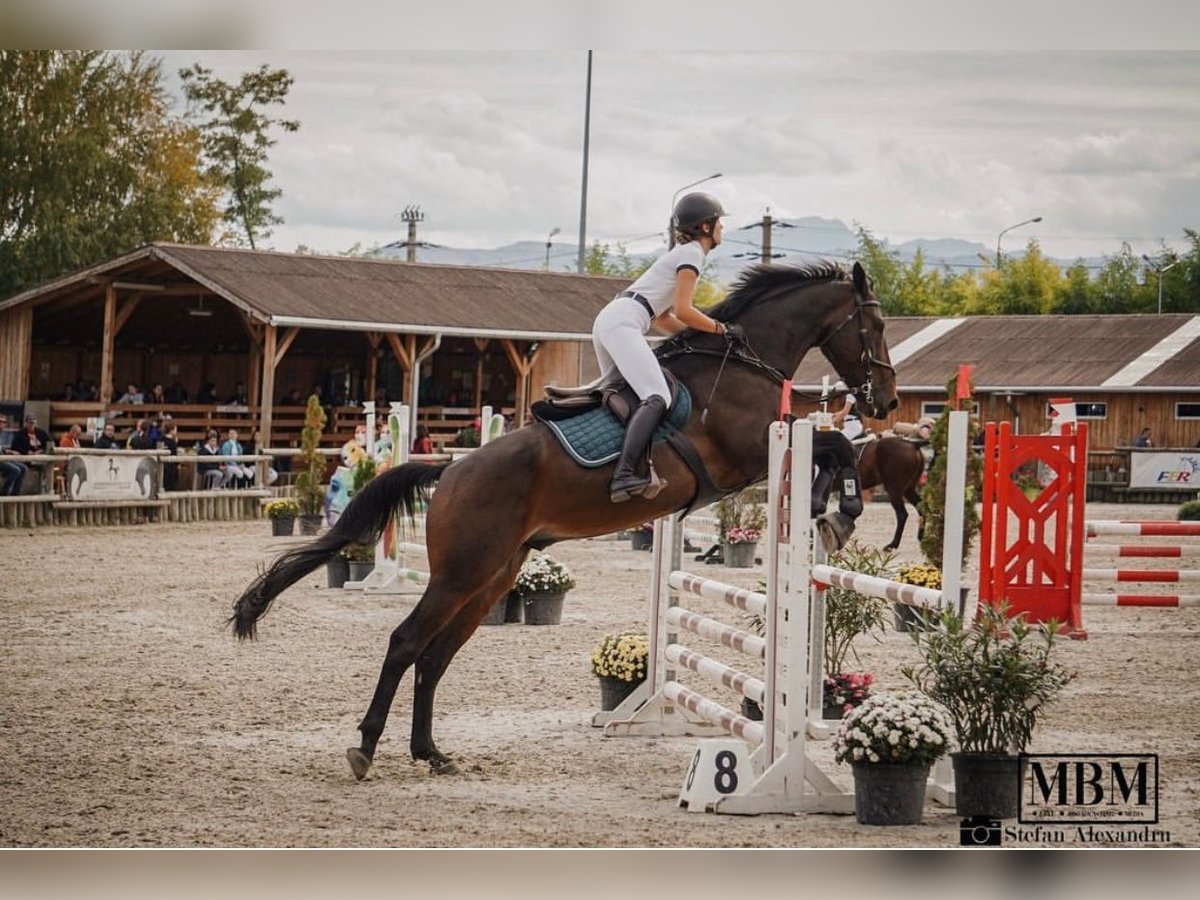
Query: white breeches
{"type": "Point", "coordinates": [852, 428]}
{"type": "Point", "coordinates": [619, 338]}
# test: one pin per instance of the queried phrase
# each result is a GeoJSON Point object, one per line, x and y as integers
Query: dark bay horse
{"type": "Point", "coordinates": [897, 464]}
{"type": "Point", "coordinates": [523, 492]}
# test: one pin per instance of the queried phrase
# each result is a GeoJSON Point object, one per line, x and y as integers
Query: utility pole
{"type": "Point", "coordinates": [587, 127]}
{"type": "Point", "coordinates": [766, 227]}
{"type": "Point", "coordinates": [412, 215]}
{"type": "Point", "coordinates": [767, 224]}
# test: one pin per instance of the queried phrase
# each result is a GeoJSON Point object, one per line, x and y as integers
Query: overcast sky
{"type": "Point", "coordinates": [1104, 146]}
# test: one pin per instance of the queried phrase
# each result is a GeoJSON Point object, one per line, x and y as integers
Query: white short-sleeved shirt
{"type": "Point", "coordinates": [657, 283]}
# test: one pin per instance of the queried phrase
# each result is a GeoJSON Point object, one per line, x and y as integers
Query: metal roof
{"type": "Point", "coordinates": [351, 293]}
{"type": "Point", "coordinates": [1098, 352]}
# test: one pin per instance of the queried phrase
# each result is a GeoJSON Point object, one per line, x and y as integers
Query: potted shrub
{"type": "Point", "coordinates": [740, 544]}
{"type": "Point", "coordinates": [995, 678]}
{"type": "Point", "coordinates": [933, 496]}
{"type": "Point", "coordinates": [360, 557]}
{"type": "Point", "coordinates": [742, 518]}
{"type": "Point", "coordinates": [849, 614]}
{"type": "Point", "coordinates": [310, 492]}
{"type": "Point", "coordinates": [619, 661]}
{"type": "Point", "coordinates": [890, 741]}
{"type": "Point", "coordinates": [282, 512]}
{"type": "Point", "coordinates": [542, 583]}
{"type": "Point", "coordinates": [1189, 511]}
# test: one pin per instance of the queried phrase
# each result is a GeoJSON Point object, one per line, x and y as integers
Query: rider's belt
{"type": "Point", "coordinates": [640, 299]}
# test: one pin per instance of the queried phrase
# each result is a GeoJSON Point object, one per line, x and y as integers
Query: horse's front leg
{"type": "Point", "coordinates": [901, 520]}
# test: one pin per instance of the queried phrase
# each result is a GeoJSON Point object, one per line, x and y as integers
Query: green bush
{"type": "Point", "coordinates": [849, 613]}
{"type": "Point", "coordinates": [1189, 512]}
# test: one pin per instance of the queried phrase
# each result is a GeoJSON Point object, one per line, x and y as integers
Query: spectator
{"type": "Point", "coordinates": [86, 392]}
{"type": "Point", "coordinates": [32, 439]}
{"type": "Point", "coordinates": [133, 395]}
{"type": "Point", "coordinates": [177, 393]}
{"type": "Point", "coordinates": [12, 473]}
{"type": "Point", "coordinates": [1143, 439]}
{"type": "Point", "coordinates": [108, 440]}
{"type": "Point", "coordinates": [158, 395]}
{"type": "Point", "coordinates": [208, 393]}
{"type": "Point", "coordinates": [169, 440]}
{"type": "Point", "coordinates": [236, 474]}
{"type": "Point", "coordinates": [293, 398]}
{"type": "Point", "coordinates": [212, 474]}
{"type": "Point", "coordinates": [251, 447]}
{"type": "Point", "coordinates": [423, 443]}
{"type": "Point", "coordinates": [70, 439]}
{"type": "Point", "coordinates": [68, 393]}
{"type": "Point", "coordinates": [140, 439]}
{"type": "Point", "coordinates": [240, 397]}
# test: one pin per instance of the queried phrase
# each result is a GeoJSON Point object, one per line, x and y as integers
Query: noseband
{"type": "Point", "coordinates": [867, 358]}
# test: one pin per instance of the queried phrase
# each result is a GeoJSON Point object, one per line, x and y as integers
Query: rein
{"type": "Point", "coordinates": [745, 355]}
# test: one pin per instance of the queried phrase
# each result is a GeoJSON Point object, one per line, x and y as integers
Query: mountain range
{"type": "Point", "coordinates": [793, 241]}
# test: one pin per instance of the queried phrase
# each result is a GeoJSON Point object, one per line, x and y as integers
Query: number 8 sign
{"type": "Point", "coordinates": [720, 767]}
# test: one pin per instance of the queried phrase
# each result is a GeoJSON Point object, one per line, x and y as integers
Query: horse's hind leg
{"type": "Point", "coordinates": [432, 664]}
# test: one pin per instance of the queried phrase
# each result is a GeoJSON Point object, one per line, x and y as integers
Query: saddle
{"type": "Point", "coordinates": [589, 423]}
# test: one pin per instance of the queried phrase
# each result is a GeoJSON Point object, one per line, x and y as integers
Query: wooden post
{"type": "Point", "coordinates": [522, 364]}
{"type": "Point", "coordinates": [481, 346]}
{"type": "Point", "coordinates": [405, 353]}
{"type": "Point", "coordinates": [106, 345]}
{"type": "Point", "coordinates": [373, 340]}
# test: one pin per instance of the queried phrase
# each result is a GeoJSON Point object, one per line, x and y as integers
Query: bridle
{"type": "Point", "coordinates": [867, 358]}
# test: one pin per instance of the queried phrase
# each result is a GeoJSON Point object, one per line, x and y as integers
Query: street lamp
{"type": "Point", "coordinates": [1007, 230]}
{"type": "Point", "coordinates": [671, 221]}
{"type": "Point", "coordinates": [549, 238]}
{"type": "Point", "coordinates": [1159, 268]}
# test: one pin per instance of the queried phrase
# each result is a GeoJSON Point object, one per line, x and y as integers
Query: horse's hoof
{"type": "Point", "coordinates": [360, 763]}
{"type": "Point", "coordinates": [442, 766]}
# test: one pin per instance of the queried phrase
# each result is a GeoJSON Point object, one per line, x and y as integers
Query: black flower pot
{"type": "Point", "coordinates": [986, 784]}
{"type": "Point", "coordinates": [283, 526]}
{"type": "Point", "coordinates": [337, 571]}
{"type": "Point", "coordinates": [887, 793]}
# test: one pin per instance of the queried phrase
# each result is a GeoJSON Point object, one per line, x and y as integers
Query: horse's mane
{"type": "Point", "coordinates": [764, 279]}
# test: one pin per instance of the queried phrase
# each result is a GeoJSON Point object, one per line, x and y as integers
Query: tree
{"type": "Point", "coordinates": [1116, 289]}
{"type": "Point", "coordinates": [884, 267]}
{"type": "Point", "coordinates": [236, 141]}
{"type": "Point", "coordinates": [92, 164]}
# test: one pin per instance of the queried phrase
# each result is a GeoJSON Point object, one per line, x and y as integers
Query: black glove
{"type": "Point", "coordinates": [734, 332]}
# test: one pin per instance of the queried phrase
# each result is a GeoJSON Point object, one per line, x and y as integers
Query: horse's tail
{"type": "Point", "coordinates": [362, 522]}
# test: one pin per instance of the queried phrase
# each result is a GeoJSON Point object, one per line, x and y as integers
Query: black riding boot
{"type": "Point", "coordinates": [638, 432]}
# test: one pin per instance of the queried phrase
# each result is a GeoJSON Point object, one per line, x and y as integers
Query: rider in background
{"type": "Point", "coordinates": [847, 419]}
{"type": "Point", "coordinates": [662, 296]}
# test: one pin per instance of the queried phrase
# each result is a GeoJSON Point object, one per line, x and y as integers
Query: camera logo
{"type": "Point", "coordinates": [979, 831]}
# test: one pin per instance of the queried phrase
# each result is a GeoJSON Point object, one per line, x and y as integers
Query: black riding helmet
{"type": "Point", "coordinates": [693, 210]}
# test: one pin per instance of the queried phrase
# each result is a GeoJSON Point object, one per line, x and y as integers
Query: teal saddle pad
{"type": "Point", "coordinates": [593, 438]}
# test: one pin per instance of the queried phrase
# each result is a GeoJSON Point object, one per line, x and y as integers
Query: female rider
{"type": "Point", "coordinates": [662, 296]}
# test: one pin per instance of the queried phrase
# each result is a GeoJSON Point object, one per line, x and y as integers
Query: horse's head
{"type": "Point", "coordinates": [786, 311]}
{"type": "Point", "coordinates": [856, 348]}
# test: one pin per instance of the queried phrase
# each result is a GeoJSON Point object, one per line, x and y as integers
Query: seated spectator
{"type": "Point", "coordinates": [251, 446]}
{"type": "Point", "coordinates": [107, 440]}
{"type": "Point", "coordinates": [155, 429]}
{"type": "Point", "coordinates": [86, 391]}
{"type": "Point", "coordinates": [236, 474]}
{"type": "Point", "coordinates": [177, 393]}
{"type": "Point", "coordinates": [422, 443]}
{"type": "Point", "coordinates": [292, 398]}
{"type": "Point", "coordinates": [240, 397]}
{"type": "Point", "coordinates": [70, 439]}
{"type": "Point", "coordinates": [11, 473]}
{"type": "Point", "coordinates": [169, 440]}
{"type": "Point", "coordinates": [32, 439]}
{"type": "Point", "coordinates": [208, 394]}
{"type": "Point", "coordinates": [212, 474]}
{"type": "Point", "coordinates": [1143, 439]}
{"type": "Point", "coordinates": [68, 393]}
{"type": "Point", "coordinates": [140, 439]}
{"type": "Point", "coordinates": [133, 395]}
{"type": "Point", "coordinates": [157, 395]}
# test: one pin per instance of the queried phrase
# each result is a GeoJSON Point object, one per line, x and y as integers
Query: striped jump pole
{"type": "Point", "coordinates": [1139, 551]}
{"type": "Point", "coordinates": [783, 778]}
{"type": "Point", "coordinates": [1148, 529]}
{"type": "Point", "coordinates": [1168, 576]}
{"type": "Point", "coordinates": [1161, 601]}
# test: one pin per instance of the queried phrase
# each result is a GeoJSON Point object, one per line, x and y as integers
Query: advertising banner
{"type": "Point", "coordinates": [116, 476]}
{"type": "Point", "coordinates": [1164, 469]}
